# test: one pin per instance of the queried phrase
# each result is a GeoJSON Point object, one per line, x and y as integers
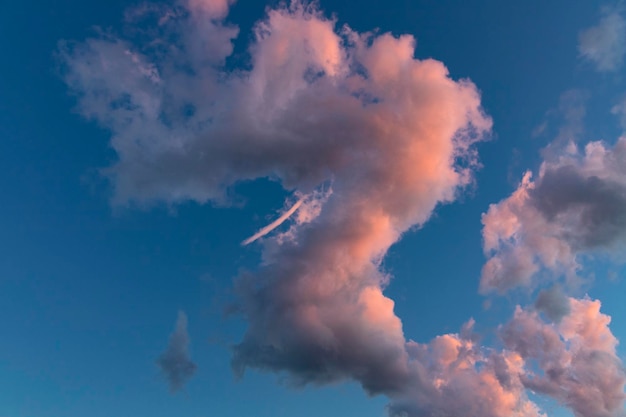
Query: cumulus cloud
{"type": "Point", "coordinates": [576, 360]}
{"type": "Point", "coordinates": [453, 376]}
{"type": "Point", "coordinates": [370, 140]}
{"type": "Point", "coordinates": [605, 44]}
{"type": "Point", "coordinates": [575, 206]}
{"type": "Point", "coordinates": [175, 362]}
{"type": "Point", "coordinates": [374, 140]}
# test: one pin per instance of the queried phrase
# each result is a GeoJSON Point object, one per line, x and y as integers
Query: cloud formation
{"type": "Point", "coordinates": [605, 44]}
{"type": "Point", "coordinates": [175, 362]}
{"type": "Point", "coordinates": [372, 137]}
{"type": "Point", "coordinates": [576, 359]}
{"type": "Point", "coordinates": [575, 206]}
{"type": "Point", "coordinates": [454, 376]}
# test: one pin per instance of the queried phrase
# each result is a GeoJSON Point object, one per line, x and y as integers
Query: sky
{"type": "Point", "coordinates": [399, 208]}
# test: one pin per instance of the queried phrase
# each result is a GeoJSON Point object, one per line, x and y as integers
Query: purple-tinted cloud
{"type": "Point", "coordinates": [454, 376]}
{"type": "Point", "coordinates": [577, 362]}
{"type": "Point", "coordinates": [576, 205]}
{"type": "Point", "coordinates": [370, 139]}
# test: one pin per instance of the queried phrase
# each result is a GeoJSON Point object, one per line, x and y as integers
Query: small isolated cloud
{"type": "Point", "coordinates": [605, 44]}
{"type": "Point", "coordinates": [575, 206]}
{"type": "Point", "coordinates": [175, 362]}
{"type": "Point", "coordinates": [576, 360]}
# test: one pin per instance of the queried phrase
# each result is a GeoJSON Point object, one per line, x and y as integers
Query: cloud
{"type": "Point", "coordinates": [175, 362]}
{"type": "Point", "coordinates": [454, 376]}
{"type": "Point", "coordinates": [314, 104]}
{"type": "Point", "coordinates": [374, 138]}
{"type": "Point", "coordinates": [553, 303]}
{"type": "Point", "coordinates": [572, 111]}
{"type": "Point", "coordinates": [569, 116]}
{"type": "Point", "coordinates": [273, 225]}
{"type": "Point", "coordinates": [605, 44]}
{"type": "Point", "coordinates": [619, 110]}
{"type": "Point", "coordinates": [575, 206]}
{"type": "Point", "coordinates": [576, 360]}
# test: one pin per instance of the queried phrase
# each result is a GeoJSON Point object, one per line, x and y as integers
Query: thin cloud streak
{"type": "Point", "coordinates": [273, 225]}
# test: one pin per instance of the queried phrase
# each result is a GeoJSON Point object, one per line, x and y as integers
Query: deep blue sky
{"type": "Point", "coordinates": [89, 295]}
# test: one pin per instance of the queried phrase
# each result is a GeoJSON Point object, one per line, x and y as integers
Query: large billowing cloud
{"type": "Point", "coordinates": [576, 360]}
{"type": "Point", "coordinates": [576, 205]}
{"type": "Point", "coordinates": [369, 140]}
{"type": "Point", "coordinates": [605, 44]}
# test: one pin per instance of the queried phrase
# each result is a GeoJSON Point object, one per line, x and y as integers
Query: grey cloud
{"type": "Point", "coordinates": [175, 362]}
{"type": "Point", "coordinates": [553, 303]}
{"type": "Point", "coordinates": [575, 206]}
{"type": "Point", "coordinates": [596, 206]}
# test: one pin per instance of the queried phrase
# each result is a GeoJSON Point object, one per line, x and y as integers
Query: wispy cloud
{"type": "Point", "coordinates": [604, 45]}
{"type": "Point", "coordinates": [619, 110]}
{"type": "Point", "coordinates": [175, 362]}
{"type": "Point", "coordinates": [569, 117]}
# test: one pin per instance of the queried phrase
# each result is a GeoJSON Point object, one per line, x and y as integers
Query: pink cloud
{"type": "Point", "coordinates": [368, 137]}
{"type": "Point", "coordinates": [215, 9]}
{"type": "Point", "coordinates": [577, 362]}
{"type": "Point", "coordinates": [452, 376]}
{"type": "Point", "coordinates": [575, 206]}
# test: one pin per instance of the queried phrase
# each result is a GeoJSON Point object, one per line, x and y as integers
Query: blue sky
{"type": "Point", "coordinates": [93, 275]}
